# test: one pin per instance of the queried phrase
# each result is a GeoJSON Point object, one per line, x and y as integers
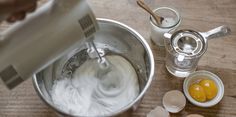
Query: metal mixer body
{"type": "Point", "coordinates": [53, 30]}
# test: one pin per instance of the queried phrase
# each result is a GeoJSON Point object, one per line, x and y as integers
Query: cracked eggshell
{"type": "Point", "coordinates": [158, 112]}
{"type": "Point", "coordinates": [174, 101]}
{"type": "Point", "coordinates": [194, 115]}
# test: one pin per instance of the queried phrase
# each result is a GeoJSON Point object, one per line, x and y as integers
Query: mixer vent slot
{"type": "Point", "coordinates": [10, 77]}
{"type": "Point", "coordinates": [87, 25]}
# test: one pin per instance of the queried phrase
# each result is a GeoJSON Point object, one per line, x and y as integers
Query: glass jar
{"type": "Point", "coordinates": [170, 22]}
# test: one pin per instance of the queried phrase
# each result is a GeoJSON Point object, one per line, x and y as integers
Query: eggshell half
{"type": "Point", "coordinates": [174, 101]}
{"type": "Point", "coordinates": [194, 115]}
{"type": "Point", "coordinates": [158, 112]}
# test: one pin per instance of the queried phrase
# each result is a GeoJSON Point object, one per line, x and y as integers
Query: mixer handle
{"type": "Point", "coordinates": [216, 32]}
{"type": "Point", "coordinates": [32, 16]}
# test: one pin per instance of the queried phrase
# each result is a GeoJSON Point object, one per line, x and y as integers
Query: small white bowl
{"type": "Point", "coordinates": [200, 75]}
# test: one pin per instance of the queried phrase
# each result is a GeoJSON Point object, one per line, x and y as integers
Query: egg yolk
{"type": "Point", "coordinates": [197, 92]}
{"type": "Point", "coordinates": [210, 88]}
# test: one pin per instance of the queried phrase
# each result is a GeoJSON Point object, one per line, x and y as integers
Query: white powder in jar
{"type": "Point", "coordinates": [158, 30]}
{"type": "Point", "coordinates": [168, 22]}
{"type": "Point", "coordinates": [87, 95]}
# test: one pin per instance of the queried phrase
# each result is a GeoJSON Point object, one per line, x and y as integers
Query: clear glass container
{"type": "Point", "coordinates": [170, 23]}
{"type": "Point", "coordinates": [185, 47]}
{"type": "Point", "coordinates": [183, 51]}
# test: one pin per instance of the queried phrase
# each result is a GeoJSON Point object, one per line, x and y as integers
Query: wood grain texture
{"type": "Point", "coordinates": [203, 15]}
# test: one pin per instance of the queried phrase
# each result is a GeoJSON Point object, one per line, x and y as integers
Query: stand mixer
{"type": "Point", "coordinates": [53, 30]}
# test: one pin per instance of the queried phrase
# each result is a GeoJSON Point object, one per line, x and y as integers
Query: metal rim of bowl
{"type": "Point", "coordinates": [212, 102]}
{"type": "Point", "coordinates": [150, 77]}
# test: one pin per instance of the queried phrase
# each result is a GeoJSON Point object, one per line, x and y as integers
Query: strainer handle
{"type": "Point", "coordinates": [217, 32]}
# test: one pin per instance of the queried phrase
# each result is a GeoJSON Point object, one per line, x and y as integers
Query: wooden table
{"type": "Point", "coordinates": [203, 15]}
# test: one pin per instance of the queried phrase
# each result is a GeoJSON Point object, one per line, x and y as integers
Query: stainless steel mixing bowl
{"type": "Point", "coordinates": [112, 38]}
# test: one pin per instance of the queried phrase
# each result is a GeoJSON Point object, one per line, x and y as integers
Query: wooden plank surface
{"type": "Point", "coordinates": [203, 15]}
